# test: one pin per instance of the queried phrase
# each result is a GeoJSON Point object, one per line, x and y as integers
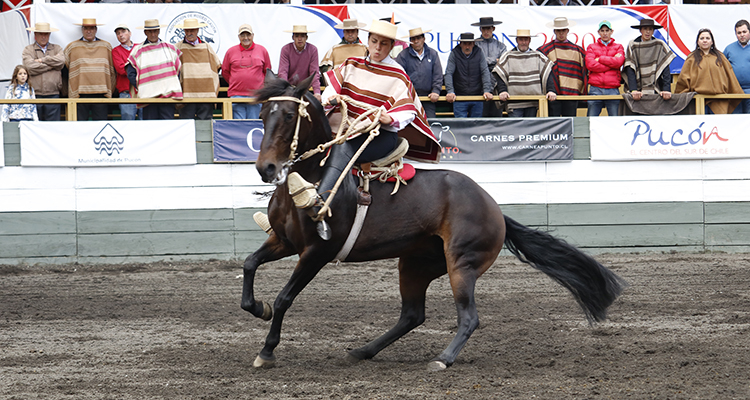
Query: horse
{"type": "Point", "coordinates": [441, 222]}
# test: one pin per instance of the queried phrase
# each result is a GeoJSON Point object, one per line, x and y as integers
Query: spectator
{"type": "Point", "coordinates": [467, 75]}
{"type": "Point", "coordinates": [492, 49]}
{"type": "Point", "coordinates": [91, 71]}
{"type": "Point", "coordinates": [707, 71]}
{"type": "Point", "coordinates": [200, 71]}
{"type": "Point", "coordinates": [523, 71]}
{"type": "Point", "coordinates": [646, 68]}
{"type": "Point", "coordinates": [44, 62]}
{"type": "Point", "coordinates": [244, 69]}
{"type": "Point", "coordinates": [422, 64]}
{"type": "Point", "coordinates": [299, 59]}
{"type": "Point", "coordinates": [19, 88]}
{"type": "Point", "coordinates": [738, 54]}
{"type": "Point", "coordinates": [563, 3]}
{"type": "Point", "coordinates": [569, 67]}
{"type": "Point", "coordinates": [120, 56]}
{"type": "Point", "coordinates": [350, 46]}
{"type": "Point", "coordinates": [604, 58]}
{"type": "Point", "coordinates": [153, 68]}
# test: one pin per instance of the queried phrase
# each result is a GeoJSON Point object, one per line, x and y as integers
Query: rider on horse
{"type": "Point", "coordinates": [378, 81]}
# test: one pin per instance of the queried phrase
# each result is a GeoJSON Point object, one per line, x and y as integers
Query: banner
{"type": "Point", "coordinates": [669, 137]}
{"type": "Point", "coordinates": [237, 140]}
{"type": "Point", "coordinates": [2, 147]}
{"type": "Point", "coordinates": [107, 143]}
{"type": "Point", "coordinates": [512, 139]}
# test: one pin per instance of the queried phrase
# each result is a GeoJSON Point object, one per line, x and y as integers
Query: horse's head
{"type": "Point", "coordinates": [287, 130]}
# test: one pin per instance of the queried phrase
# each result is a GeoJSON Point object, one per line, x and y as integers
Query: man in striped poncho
{"type": "Point", "coordinates": [569, 68]}
{"type": "Point", "coordinates": [200, 71]}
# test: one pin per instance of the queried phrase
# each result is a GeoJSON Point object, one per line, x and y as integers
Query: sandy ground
{"type": "Point", "coordinates": [680, 331]}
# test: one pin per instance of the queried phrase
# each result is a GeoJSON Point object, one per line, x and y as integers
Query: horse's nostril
{"type": "Point", "coordinates": [270, 171]}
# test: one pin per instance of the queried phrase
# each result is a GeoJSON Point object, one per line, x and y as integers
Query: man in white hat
{"type": "Point", "coordinates": [422, 64]}
{"type": "Point", "coordinates": [523, 71]}
{"type": "Point", "coordinates": [153, 69]}
{"type": "Point", "coordinates": [299, 59]}
{"type": "Point", "coordinates": [244, 69]}
{"type": "Point", "coordinates": [200, 71]}
{"type": "Point", "coordinates": [120, 56]}
{"type": "Point", "coordinates": [44, 62]}
{"type": "Point", "coordinates": [492, 49]}
{"type": "Point", "coordinates": [647, 59]}
{"type": "Point", "coordinates": [91, 71]}
{"type": "Point", "coordinates": [569, 67]}
{"type": "Point", "coordinates": [350, 46]}
{"type": "Point", "coordinates": [467, 75]}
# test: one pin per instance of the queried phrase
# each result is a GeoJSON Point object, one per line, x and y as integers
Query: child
{"type": "Point", "coordinates": [19, 89]}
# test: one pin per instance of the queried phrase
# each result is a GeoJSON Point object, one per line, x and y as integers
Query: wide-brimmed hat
{"type": "Point", "coordinates": [416, 32]}
{"type": "Point", "coordinates": [299, 29]}
{"type": "Point", "coordinates": [42, 27]}
{"type": "Point", "coordinates": [382, 28]}
{"type": "Point", "coordinates": [88, 22]}
{"type": "Point", "coordinates": [121, 26]}
{"type": "Point", "coordinates": [647, 23]}
{"type": "Point", "coordinates": [486, 21]}
{"type": "Point", "coordinates": [150, 24]}
{"type": "Point", "coordinates": [245, 28]}
{"type": "Point", "coordinates": [191, 23]}
{"type": "Point", "coordinates": [561, 23]}
{"type": "Point", "coordinates": [467, 37]}
{"type": "Point", "coordinates": [350, 24]}
{"type": "Point", "coordinates": [522, 33]}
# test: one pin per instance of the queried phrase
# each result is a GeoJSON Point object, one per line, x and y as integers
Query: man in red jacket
{"type": "Point", "coordinates": [120, 56]}
{"type": "Point", "coordinates": [604, 58]}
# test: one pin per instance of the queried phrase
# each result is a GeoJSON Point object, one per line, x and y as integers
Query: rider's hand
{"type": "Point", "coordinates": [385, 119]}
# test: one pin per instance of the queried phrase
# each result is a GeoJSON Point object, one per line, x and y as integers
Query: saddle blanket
{"type": "Point", "coordinates": [406, 173]}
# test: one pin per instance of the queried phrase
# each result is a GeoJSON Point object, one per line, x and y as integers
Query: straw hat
{"type": "Point", "coordinates": [486, 21]}
{"type": "Point", "coordinates": [382, 28]}
{"type": "Point", "coordinates": [191, 23]}
{"type": "Point", "coordinates": [467, 37]}
{"type": "Point", "coordinates": [42, 27]}
{"type": "Point", "coordinates": [299, 29]}
{"type": "Point", "coordinates": [416, 32]}
{"type": "Point", "coordinates": [350, 24]}
{"type": "Point", "coordinates": [150, 24]}
{"type": "Point", "coordinates": [245, 28]}
{"type": "Point", "coordinates": [522, 33]}
{"type": "Point", "coordinates": [88, 22]}
{"type": "Point", "coordinates": [647, 23]}
{"type": "Point", "coordinates": [121, 26]}
{"type": "Point", "coordinates": [561, 23]}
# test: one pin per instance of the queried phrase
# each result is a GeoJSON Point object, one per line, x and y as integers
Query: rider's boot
{"type": "Point", "coordinates": [303, 192]}
{"type": "Point", "coordinates": [262, 220]}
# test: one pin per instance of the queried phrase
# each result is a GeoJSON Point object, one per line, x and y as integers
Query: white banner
{"type": "Point", "coordinates": [2, 147]}
{"type": "Point", "coordinates": [107, 143]}
{"type": "Point", "coordinates": [669, 137]}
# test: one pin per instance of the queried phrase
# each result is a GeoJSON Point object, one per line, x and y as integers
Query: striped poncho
{"type": "Point", "coordinates": [649, 60]}
{"type": "Point", "coordinates": [90, 68]}
{"type": "Point", "coordinates": [386, 85]}
{"type": "Point", "coordinates": [200, 70]}
{"type": "Point", "coordinates": [158, 67]}
{"type": "Point", "coordinates": [524, 73]}
{"type": "Point", "coordinates": [569, 66]}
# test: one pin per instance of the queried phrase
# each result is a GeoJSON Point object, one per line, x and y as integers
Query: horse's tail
{"type": "Point", "coordinates": [594, 286]}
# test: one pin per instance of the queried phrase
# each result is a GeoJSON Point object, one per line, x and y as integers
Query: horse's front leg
{"type": "Point", "coordinates": [272, 249]}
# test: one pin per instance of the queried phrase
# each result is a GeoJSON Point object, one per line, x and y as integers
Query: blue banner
{"type": "Point", "coordinates": [237, 140]}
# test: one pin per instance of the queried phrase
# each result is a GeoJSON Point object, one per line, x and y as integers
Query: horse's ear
{"type": "Point", "coordinates": [303, 86]}
{"type": "Point", "coordinates": [270, 76]}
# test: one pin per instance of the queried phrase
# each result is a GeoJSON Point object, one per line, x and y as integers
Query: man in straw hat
{"type": "Point", "coordinates": [153, 69]}
{"type": "Point", "coordinates": [647, 59]}
{"type": "Point", "coordinates": [422, 64]}
{"type": "Point", "coordinates": [120, 56]}
{"type": "Point", "coordinates": [467, 75]}
{"type": "Point", "coordinates": [569, 67]}
{"type": "Point", "coordinates": [200, 71]}
{"type": "Point", "coordinates": [299, 59]}
{"type": "Point", "coordinates": [244, 69]}
{"type": "Point", "coordinates": [380, 82]}
{"type": "Point", "coordinates": [523, 71]}
{"type": "Point", "coordinates": [603, 60]}
{"type": "Point", "coordinates": [44, 62]}
{"type": "Point", "coordinates": [492, 49]}
{"type": "Point", "coordinates": [350, 46]}
{"type": "Point", "coordinates": [91, 71]}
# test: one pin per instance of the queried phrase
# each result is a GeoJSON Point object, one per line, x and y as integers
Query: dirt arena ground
{"type": "Point", "coordinates": [166, 331]}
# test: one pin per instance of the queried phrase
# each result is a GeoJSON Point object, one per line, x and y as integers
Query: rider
{"type": "Point", "coordinates": [380, 82]}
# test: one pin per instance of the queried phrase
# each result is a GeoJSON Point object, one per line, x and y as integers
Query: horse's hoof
{"type": "Point", "coordinates": [267, 312]}
{"type": "Point", "coordinates": [436, 366]}
{"type": "Point", "coordinates": [351, 359]}
{"type": "Point", "coordinates": [263, 363]}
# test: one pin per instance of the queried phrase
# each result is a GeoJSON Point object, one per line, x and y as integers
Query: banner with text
{"type": "Point", "coordinates": [669, 137]}
{"type": "Point", "coordinates": [511, 139]}
{"type": "Point", "coordinates": [107, 143]}
{"type": "Point", "coordinates": [237, 140]}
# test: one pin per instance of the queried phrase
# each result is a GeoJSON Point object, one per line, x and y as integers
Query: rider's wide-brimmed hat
{"type": "Point", "coordinates": [151, 24]}
{"type": "Point", "coordinates": [561, 23]}
{"type": "Point", "coordinates": [191, 23]}
{"type": "Point", "coordinates": [647, 23]}
{"type": "Point", "coordinates": [350, 24]}
{"type": "Point", "coordinates": [382, 28]}
{"type": "Point", "coordinates": [299, 29]}
{"type": "Point", "coordinates": [42, 27]}
{"type": "Point", "coordinates": [416, 32]}
{"type": "Point", "coordinates": [88, 22]}
{"type": "Point", "coordinates": [467, 37]}
{"type": "Point", "coordinates": [522, 33]}
{"type": "Point", "coordinates": [486, 21]}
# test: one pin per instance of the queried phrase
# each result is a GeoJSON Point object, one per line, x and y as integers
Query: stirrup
{"type": "Point", "coordinates": [262, 221]}
{"type": "Point", "coordinates": [303, 192]}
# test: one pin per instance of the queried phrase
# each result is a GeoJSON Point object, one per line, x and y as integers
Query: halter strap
{"type": "Point", "coordinates": [301, 112]}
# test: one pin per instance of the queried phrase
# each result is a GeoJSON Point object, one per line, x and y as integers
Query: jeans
{"type": "Point", "coordinates": [595, 106]}
{"type": "Point", "coordinates": [245, 110]}
{"type": "Point", "coordinates": [200, 111]}
{"type": "Point", "coordinates": [528, 112]}
{"type": "Point", "coordinates": [48, 112]}
{"type": "Point", "coordinates": [742, 108]}
{"type": "Point", "coordinates": [429, 109]}
{"type": "Point", "coordinates": [98, 111]}
{"type": "Point", "coordinates": [128, 112]}
{"type": "Point", "coordinates": [158, 111]}
{"type": "Point", "coordinates": [470, 109]}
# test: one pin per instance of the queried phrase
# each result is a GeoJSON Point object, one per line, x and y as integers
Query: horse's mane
{"type": "Point", "coordinates": [271, 88]}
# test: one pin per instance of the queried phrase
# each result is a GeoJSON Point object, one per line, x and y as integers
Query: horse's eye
{"type": "Point", "coordinates": [288, 117]}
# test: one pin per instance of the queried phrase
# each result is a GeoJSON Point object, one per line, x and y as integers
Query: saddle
{"type": "Point", "coordinates": [390, 168]}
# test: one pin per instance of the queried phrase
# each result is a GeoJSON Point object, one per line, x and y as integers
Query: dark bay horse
{"type": "Point", "coordinates": [441, 222]}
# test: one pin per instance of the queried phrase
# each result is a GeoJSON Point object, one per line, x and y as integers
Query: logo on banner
{"type": "Point", "coordinates": [448, 151]}
{"type": "Point", "coordinates": [108, 140]}
{"type": "Point", "coordinates": [208, 34]}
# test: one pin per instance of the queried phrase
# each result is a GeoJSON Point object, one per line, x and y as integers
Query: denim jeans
{"type": "Point", "coordinates": [464, 109]}
{"type": "Point", "coordinates": [595, 106]}
{"type": "Point", "coordinates": [527, 112]}
{"type": "Point", "coordinates": [128, 112]}
{"type": "Point", "coordinates": [48, 112]}
{"type": "Point", "coordinates": [245, 110]}
{"type": "Point", "coordinates": [742, 108]}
